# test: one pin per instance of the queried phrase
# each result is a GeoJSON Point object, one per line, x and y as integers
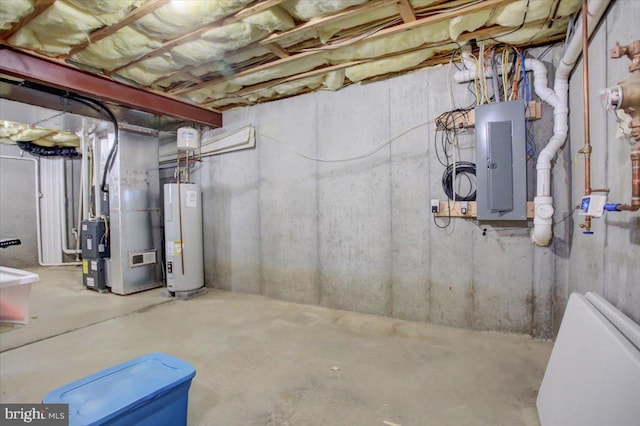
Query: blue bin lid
{"type": "Point", "coordinates": [104, 395]}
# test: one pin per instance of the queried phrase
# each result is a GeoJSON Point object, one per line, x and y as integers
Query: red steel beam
{"type": "Point", "coordinates": [63, 77]}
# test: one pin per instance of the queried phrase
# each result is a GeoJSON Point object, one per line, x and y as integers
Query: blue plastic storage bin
{"type": "Point", "coordinates": [149, 390]}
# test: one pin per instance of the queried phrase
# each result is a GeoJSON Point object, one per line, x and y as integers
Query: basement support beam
{"type": "Point", "coordinates": [56, 75]}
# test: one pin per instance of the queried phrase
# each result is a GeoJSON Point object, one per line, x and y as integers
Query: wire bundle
{"type": "Point", "coordinates": [462, 168]}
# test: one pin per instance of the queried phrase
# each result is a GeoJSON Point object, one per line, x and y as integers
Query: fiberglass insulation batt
{"type": "Point", "coordinates": [64, 25]}
{"type": "Point", "coordinates": [218, 50]}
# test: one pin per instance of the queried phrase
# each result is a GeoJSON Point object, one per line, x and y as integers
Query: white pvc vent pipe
{"type": "Point", "coordinates": [558, 98]}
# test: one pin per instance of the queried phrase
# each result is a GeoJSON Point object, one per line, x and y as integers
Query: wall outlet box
{"type": "Point", "coordinates": [435, 206]}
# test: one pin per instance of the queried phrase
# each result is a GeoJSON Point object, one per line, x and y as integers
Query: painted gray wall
{"type": "Point", "coordinates": [359, 235]}
{"type": "Point", "coordinates": [607, 262]}
{"type": "Point", "coordinates": [17, 209]}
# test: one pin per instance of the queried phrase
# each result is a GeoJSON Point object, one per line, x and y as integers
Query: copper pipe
{"type": "Point", "coordinates": [627, 207]}
{"type": "Point", "coordinates": [635, 176]}
{"type": "Point", "coordinates": [180, 220]}
{"type": "Point", "coordinates": [635, 181]}
{"type": "Point", "coordinates": [586, 149]}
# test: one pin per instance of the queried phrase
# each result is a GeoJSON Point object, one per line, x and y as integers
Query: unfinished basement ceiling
{"type": "Point", "coordinates": [12, 133]}
{"type": "Point", "coordinates": [220, 54]}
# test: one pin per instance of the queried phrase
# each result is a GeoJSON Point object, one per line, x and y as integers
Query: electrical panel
{"type": "Point", "coordinates": [501, 161]}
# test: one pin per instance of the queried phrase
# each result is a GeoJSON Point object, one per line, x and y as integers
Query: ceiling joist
{"type": "Point", "coordinates": [194, 35]}
{"type": "Point", "coordinates": [406, 11]}
{"type": "Point", "coordinates": [432, 19]}
{"type": "Point", "coordinates": [326, 28]}
{"type": "Point", "coordinates": [39, 7]}
{"type": "Point", "coordinates": [484, 33]}
{"type": "Point", "coordinates": [135, 14]}
{"type": "Point", "coordinates": [318, 22]}
{"type": "Point", "coordinates": [277, 50]}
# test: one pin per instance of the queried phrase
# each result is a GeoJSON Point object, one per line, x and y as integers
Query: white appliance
{"type": "Point", "coordinates": [183, 237]}
{"type": "Point", "coordinates": [188, 139]}
{"type": "Point", "coordinates": [593, 375]}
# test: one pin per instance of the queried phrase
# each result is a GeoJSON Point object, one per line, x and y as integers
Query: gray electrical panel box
{"type": "Point", "coordinates": [501, 161]}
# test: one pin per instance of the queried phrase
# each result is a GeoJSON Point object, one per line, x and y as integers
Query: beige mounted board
{"type": "Point", "coordinates": [466, 119]}
{"type": "Point", "coordinates": [454, 209]}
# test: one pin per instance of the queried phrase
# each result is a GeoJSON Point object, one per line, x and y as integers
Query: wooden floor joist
{"type": "Point", "coordinates": [474, 7]}
{"type": "Point", "coordinates": [194, 35]}
{"type": "Point", "coordinates": [135, 14]}
{"type": "Point", "coordinates": [39, 7]}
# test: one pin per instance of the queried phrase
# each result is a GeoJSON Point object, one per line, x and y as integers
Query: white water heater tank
{"type": "Point", "coordinates": [188, 139]}
{"type": "Point", "coordinates": [183, 237]}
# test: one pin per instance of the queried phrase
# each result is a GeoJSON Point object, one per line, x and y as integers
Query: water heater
{"type": "Point", "coordinates": [183, 237]}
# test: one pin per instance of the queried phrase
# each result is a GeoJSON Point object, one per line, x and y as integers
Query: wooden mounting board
{"type": "Point", "coordinates": [472, 209]}
{"type": "Point", "coordinates": [466, 119]}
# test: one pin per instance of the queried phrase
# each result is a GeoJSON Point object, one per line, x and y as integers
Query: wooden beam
{"type": "Point", "coordinates": [443, 16]}
{"type": "Point", "coordinates": [277, 50]}
{"type": "Point", "coordinates": [63, 77]}
{"type": "Point", "coordinates": [39, 7]}
{"type": "Point", "coordinates": [454, 209]}
{"type": "Point", "coordinates": [135, 14]}
{"type": "Point", "coordinates": [251, 10]}
{"type": "Point", "coordinates": [437, 60]}
{"type": "Point", "coordinates": [406, 11]}
{"type": "Point", "coordinates": [554, 12]}
{"type": "Point", "coordinates": [497, 31]}
{"type": "Point", "coordinates": [475, 7]}
{"type": "Point", "coordinates": [534, 112]}
{"type": "Point", "coordinates": [260, 86]}
{"type": "Point", "coordinates": [318, 22]}
{"type": "Point", "coordinates": [194, 35]}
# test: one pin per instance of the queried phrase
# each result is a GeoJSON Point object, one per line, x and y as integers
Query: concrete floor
{"type": "Point", "coordinates": [266, 362]}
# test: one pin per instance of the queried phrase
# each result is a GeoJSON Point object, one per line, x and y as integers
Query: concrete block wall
{"type": "Point", "coordinates": [359, 235]}
{"type": "Point", "coordinates": [607, 262]}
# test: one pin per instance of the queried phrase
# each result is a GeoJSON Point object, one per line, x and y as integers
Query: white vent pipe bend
{"type": "Point", "coordinates": [558, 99]}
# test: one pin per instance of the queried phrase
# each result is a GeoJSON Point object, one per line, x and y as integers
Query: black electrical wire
{"type": "Point", "coordinates": [114, 148]}
{"type": "Point", "coordinates": [448, 124]}
{"type": "Point", "coordinates": [463, 168]}
{"type": "Point", "coordinates": [87, 102]}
